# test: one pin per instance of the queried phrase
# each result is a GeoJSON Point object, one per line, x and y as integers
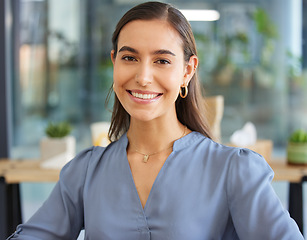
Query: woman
{"type": "Point", "coordinates": [162, 177]}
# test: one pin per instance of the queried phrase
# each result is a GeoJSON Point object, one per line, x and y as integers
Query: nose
{"type": "Point", "coordinates": [144, 75]}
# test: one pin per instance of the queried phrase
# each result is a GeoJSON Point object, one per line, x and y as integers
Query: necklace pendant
{"type": "Point", "coordinates": [145, 159]}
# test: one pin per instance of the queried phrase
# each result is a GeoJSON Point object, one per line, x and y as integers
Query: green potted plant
{"type": "Point", "coordinates": [226, 66]}
{"type": "Point", "coordinates": [265, 70]}
{"type": "Point", "coordinates": [58, 147]}
{"type": "Point", "coordinates": [297, 147]}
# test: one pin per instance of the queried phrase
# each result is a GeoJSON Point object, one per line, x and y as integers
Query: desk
{"type": "Point", "coordinates": [295, 175]}
{"type": "Point", "coordinates": [287, 172]}
{"type": "Point", "coordinates": [29, 171]}
{"type": "Point", "coordinates": [14, 172]}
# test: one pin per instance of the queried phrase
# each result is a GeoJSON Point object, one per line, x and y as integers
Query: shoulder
{"type": "Point", "coordinates": [243, 159]}
{"type": "Point", "coordinates": [91, 157]}
{"type": "Point", "coordinates": [82, 159]}
{"type": "Point", "coordinates": [247, 171]}
{"type": "Point", "coordinates": [226, 156]}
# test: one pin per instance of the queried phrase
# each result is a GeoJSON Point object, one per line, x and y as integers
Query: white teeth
{"type": "Point", "coordinates": [144, 96]}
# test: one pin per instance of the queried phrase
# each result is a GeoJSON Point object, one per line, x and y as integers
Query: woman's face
{"type": "Point", "coordinates": [149, 69]}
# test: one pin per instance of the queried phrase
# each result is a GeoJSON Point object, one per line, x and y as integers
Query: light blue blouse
{"type": "Point", "coordinates": [204, 191]}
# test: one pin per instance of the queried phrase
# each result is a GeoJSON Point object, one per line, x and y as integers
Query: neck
{"type": "Point", "coordinates": [149, 137]}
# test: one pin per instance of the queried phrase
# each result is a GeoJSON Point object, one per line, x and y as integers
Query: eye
{"type": "Point", "coordinates": [163, 61]}
{"type": "Point", "coordinates": [129, 58]}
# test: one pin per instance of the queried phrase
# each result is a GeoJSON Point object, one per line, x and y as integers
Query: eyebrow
{"type": "Point", "coordinates": [164, 51]}
{"type": "Point", "coordinates": [129, 49]}
{"type": "Point", "coordinates": [157, 52]}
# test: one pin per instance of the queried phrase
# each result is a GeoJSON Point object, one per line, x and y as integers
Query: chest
{"type": "Point", "coordinates": [144, 174]}
{"type": "Point", "coordinates": [181, 202]}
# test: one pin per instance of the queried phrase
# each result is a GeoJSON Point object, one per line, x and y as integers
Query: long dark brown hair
{"type": "Point", "coordinates": [190, 110]}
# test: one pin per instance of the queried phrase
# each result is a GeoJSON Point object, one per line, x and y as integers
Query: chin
{"type": "Point", "coordinates": [143, 117]}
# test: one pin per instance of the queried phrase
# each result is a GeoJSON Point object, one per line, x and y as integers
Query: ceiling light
{"type": "Point", "coordinates": [201, 15]}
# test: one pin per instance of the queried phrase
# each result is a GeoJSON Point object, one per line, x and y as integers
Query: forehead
{"type": "Point", "coordinates": [150, 34]}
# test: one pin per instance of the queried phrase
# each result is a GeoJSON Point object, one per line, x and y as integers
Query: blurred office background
{"type": "Point", "coordinates": [59, 69]}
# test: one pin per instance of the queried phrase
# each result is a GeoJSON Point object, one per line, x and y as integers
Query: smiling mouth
{"type": "Point", "coordinates": [146, 96]}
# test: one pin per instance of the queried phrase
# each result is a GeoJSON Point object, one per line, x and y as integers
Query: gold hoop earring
{"type": "Point", "coordinates": [185, 89]}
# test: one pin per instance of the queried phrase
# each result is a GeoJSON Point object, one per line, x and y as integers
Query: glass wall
{"type": "Point", "coordinates": [59, 74]}
{"type": "Point", "coordinates": [62, 68]}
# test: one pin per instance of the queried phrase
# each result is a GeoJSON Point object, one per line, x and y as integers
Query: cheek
{"type": "Point", "coordinates": [174, 79]}
{"type": "Point", "coordinates": [116, 72]}
{"type": "Point", "coordinates": [121, 74]}
{"type": "Point", "coordinates": [117, 79]}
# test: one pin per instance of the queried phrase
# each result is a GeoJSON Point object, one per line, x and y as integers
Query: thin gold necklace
{"type": "Point", "coordinates": [146, 156]}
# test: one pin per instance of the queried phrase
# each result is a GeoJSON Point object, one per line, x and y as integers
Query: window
{"type": "Point", "coordinates": [62, 68]}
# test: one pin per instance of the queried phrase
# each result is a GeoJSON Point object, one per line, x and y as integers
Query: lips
{"type": "Point", "coordinates": [144, 95]}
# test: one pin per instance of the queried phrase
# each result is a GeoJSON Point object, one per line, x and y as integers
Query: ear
{"type": "Point", "coordinates": [112, 56]}
{"type": "Point", "coordinates": [190, 69]}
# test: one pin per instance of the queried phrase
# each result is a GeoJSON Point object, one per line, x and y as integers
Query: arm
{"type": "Point", "coordinates": [61, 215]}
{"type": "Point", "coordinates": [255, 208]}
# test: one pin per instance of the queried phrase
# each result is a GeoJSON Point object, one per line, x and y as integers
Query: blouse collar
{"type": "Point", "coordinates": [179, 144]}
